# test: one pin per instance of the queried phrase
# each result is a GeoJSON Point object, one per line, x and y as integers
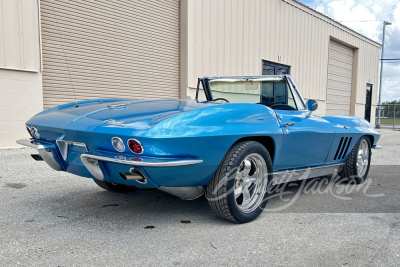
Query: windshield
{"type": "Point", "coordinates": [272, 92]}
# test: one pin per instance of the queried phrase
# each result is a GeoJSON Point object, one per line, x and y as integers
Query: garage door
{"type": "Point", "coordinates": [340, 72]}
{"type": "Point", "coordinates": [124, 48]}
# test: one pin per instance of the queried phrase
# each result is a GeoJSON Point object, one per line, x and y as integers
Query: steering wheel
{"type": "Point", "coordinates": [282, 107]}
{"type": "Point", "coordinates": [220, 98]}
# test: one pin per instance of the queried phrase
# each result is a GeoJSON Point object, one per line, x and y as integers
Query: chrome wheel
{"type": "Point", "coordinates": [363, 155]}
{"type": "Point", "coordinates": [250, 182]}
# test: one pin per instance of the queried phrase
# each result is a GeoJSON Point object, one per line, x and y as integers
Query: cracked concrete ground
{"type": "Point", "coordinates": [50, 218]}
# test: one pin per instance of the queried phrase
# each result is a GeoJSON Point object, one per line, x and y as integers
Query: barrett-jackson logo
{"type": "Point", "coordinates": [114, 122]}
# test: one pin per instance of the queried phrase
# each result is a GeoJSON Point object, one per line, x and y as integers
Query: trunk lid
{"type": "Point", "coordinates": [139, 115]}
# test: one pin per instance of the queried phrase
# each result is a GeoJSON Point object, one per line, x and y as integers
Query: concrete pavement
{"type": "Point", "coordinates": [50, 218]}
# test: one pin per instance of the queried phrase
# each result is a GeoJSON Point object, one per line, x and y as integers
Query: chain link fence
{"type": "Point", "coordinates": [388, 116]}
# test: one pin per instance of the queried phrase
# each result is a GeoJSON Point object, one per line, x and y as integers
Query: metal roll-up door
{"type": "Point", "coordinates": [340, 72]}
{"type": "Point", "coordinates": [123, 49]}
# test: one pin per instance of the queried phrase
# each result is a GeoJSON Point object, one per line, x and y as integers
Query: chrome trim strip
{"type": "Point", "coordinates": [297, 174]}
{"type": "Point", "coordinates": [318, 167]}
{"type": "Point", "coordinates": [173, 163]}
{"type": "Point", "coordinates": [26, 142]}
{"type": "Point", "coordinates": [63, 147]}
{"type": "Point", "coordinates": [376, 147]}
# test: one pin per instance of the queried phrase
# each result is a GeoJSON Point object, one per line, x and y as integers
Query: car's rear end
{"type": "Point", "coordinates": [111, 142]}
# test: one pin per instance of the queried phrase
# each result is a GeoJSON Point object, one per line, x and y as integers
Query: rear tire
{"type": "Point", "coordinates": [119, 188]}
{"type": "Point", "coordinates": [357, 164]}
{"type": "Point", "coordinates": [238, 190]}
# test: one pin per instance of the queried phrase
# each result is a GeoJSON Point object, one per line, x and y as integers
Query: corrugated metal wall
{"type": "Point", "coordinates": [340, 72]}
{"type": "Point", "coordinates": [113, 48]}
{"type": "Point", "coordinates": [232, 37]}
{"type": "Point", "coordinates": [20, 77]}
{"type": "Point", "coordinates": [19, 35]}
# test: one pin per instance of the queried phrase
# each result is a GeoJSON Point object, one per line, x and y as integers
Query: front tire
{"type": "Point", "coordinates": [357, 164]}
{"type": "Point", "coordinates": [119, 188]}
{"type": "Point", "coordinates": [238, 190]}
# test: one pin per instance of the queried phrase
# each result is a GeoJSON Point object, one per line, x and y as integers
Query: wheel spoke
{"type": "Point", "coordinates": [238, 192]}
{"type": "Point", "coordinates": [247, 167]}
{"type": "Point", "coordinates": [246, 196]}
{"type": "Point", "coordinates": [238, 176]}
{"type": "Point", "coordinates": [365, 154]}
{"type": "Point", "coordinates": [252, 179]}
{"type": "Point", "coordinates": [248, 179]}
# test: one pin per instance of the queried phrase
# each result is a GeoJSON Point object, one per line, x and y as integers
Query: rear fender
{"type": "Point", "coordinates": [348, 130]}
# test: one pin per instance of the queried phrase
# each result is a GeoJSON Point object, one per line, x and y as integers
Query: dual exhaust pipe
{"type": "Point", "coordinates": [134, 175]}
{"type": "Point", "coordinates": [37, 157]}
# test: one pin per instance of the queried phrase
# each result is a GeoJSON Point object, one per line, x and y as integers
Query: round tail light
{"type": "Point", "coordinates": [135, 146]}
{"type": "Point", "coordinates": [35, 133]}
{"type": "Point", "coordinates": [118, 144]}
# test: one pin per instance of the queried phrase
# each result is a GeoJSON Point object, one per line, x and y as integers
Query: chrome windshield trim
{"type": "Point", "coordinates": [142, 162]}
{"type": "Point", "coordinates": [245, 78]}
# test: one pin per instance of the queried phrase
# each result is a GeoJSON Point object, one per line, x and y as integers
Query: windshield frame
{"type": "Point", "coordinates": [292, 86]}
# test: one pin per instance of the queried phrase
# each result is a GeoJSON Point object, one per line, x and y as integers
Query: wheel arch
{"type": "Point", "coordinates": [267, 141]}
{"type": "Point", "coordinates": [371, 138]}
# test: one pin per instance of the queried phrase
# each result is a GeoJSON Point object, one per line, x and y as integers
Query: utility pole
{"type": "Point", "coordinates": [378, 125]}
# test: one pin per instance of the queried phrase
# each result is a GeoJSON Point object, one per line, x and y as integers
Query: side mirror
{"type": "Point", "coordinates": [312, 105]}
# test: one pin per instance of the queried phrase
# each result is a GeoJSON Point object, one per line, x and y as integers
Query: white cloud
{"type": "Point", "coordinates": [352, 12]}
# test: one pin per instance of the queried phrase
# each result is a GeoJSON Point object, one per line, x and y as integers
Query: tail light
{"type": "Point", "coordinates": [118, 144]}
{"type": "Point", "coordinates": [135, 146]}
{"type": "Point", "coordinates": [33, 132]}
{"type": "Point", "coordinates": [29, 131]}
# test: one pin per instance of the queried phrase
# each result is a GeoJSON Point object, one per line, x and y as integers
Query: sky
{"type": "Point", "coordinates": [366, 17]}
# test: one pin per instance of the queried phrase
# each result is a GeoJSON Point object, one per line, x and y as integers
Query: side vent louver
{"type": "Point", "coordinates": [343, 148]}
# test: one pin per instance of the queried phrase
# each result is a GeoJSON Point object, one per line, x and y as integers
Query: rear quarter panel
{"type": "Point", "coordinates": [351, 128]}
{"type": "Point", "coordinates": [208, 133]}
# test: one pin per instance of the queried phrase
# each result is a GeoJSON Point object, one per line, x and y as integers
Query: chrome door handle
{"type": "Point", "coordinates": [286, 124]}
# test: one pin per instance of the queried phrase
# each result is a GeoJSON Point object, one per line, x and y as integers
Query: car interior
{"type": "Point", "coordinates": [273, 94]}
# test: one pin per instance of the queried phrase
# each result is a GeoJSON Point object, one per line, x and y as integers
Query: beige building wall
{"type": "Point", "coordinates": [233, 37]}
{"type": "Point", "coordinates": [109, 49]}
{"type": "Point", "coordinates": [20, 78]}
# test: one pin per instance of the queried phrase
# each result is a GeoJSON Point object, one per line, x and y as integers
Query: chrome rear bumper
{"type": "Point", "coordinates": [26, 142]}
{"type": "Point", "coordinates": [46, 151]}
{"type": "Point", "coordinates": [140, 162]}
{"type": "Point", "coordinates": [51, 155]}
{"type": "Point", "coordinates": [91, 162]}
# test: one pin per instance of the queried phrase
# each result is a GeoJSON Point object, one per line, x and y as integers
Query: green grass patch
{"type": "Point", "coordinates": [389, 121]}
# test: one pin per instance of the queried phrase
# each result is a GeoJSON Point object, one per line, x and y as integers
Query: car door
{"type": "Point", "coordinates": [306, 139]}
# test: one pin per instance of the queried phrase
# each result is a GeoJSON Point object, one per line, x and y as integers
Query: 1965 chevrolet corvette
{"type": "Point", "coordinates": [248, 133]}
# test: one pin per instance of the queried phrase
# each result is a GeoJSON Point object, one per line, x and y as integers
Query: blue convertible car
{"type": "Point", "coordinates": [239, 136]}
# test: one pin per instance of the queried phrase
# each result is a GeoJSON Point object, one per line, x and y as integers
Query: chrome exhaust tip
{"type": "Point", "coordinates": [37, 157]}
{"type": "Point", "coordinates": [134, 175]}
